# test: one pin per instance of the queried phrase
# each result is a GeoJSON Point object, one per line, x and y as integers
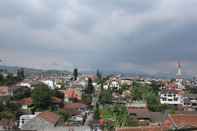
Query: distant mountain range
{"type": "Point", "coordinates": [32, 71]}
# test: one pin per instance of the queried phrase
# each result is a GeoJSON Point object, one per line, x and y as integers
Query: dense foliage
{"type": "Point", "coordinates": [75, 74]}
{"type": "Point", "coordinates": [41, 97]}
{"type": "Point", "coordinates": [148, 93]}
{"type": "Point", "coordinates": [8, 80]}
{"type": "Point", "coordinates": [22, 92]}
{"type": "Point", "coordinates": [118, 115]}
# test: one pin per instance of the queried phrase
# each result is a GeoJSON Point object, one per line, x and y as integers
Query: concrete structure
{"type": "Point", "coordinates": [25, 118]}
{"type": "Point", "coordinates": [171, 97]}
{"type": "Point", "coordinates": [43, 121]}
{"type": "Point", "coordinates": [179, 78]}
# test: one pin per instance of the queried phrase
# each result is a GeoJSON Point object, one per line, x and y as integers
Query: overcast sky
{"type": "Point", "coordinates": [118, 35]}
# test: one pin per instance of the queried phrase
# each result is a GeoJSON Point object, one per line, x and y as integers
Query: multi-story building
{"type": "Point", "coordinates": [171, 97]}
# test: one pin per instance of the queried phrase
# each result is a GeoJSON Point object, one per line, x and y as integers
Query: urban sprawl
{"type": "Point", "coordinates": [75, 101]}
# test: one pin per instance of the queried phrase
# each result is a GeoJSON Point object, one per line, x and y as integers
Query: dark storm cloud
{"type": "Point", "coordinates": [126, 35]}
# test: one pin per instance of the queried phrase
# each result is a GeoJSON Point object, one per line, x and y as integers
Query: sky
{"type": "Point", "coordinates": [111, 35]}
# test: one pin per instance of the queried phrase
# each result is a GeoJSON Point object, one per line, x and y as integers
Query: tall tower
{"type": "Point", "coordinates": [179, 72]}
{"type": "Point", "coordinates": [179, 77]}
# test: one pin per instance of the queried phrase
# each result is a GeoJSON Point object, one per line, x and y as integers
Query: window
{"type": "Point", "coordinates": [164, 99]}
{"type": "Point", "coordinates": [23, 121]}
{"type": "Point", "coordinates": [175, 99]}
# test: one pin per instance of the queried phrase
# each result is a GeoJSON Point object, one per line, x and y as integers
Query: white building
{"type": "Point", "coordinates": [171, 97]}
{"type": "Point", "coordinates": [113, 84]}
{"type": "Point", "coordinates": [179, 78]}
{"type": "Point", "coordinates": [51, 84]}
{"type": "Point", "coordinates": [126, 81]}
{"type": "Point", "coordinates": [25, 118]}
{"type": "Point", "coordinates": [25, 84]}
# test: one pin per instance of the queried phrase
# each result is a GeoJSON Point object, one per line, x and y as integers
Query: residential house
{"type": "Point", "coordinates": [126, 81]}
{"type": "Point", "coordinates": [171, 97]}
{"type": "Point", "coordinates": [76, 108]}
{"type": "Point", "coordinates": [43, 121]}
{"type": "Point", "coordinates": [139, 111]}
{"type": "Point", "coordinates": [24, 84]}
{"type": "Point", "coordinates": [190, 102]}
{"type": "Point", "coordinates": [68, 128]}
{"type": "Point", "coordinates": [4, 93]}
{"type": "Point", "coordinates": [113, 83]}
{"type": "Point", "coordinates": [25, 103]}
{"type": "Point", "coordinates": [180, 121]}
{"type": "Point", "coordinates": [49, 83]}
{"type": "Point", "coordinates": [140, 128]}
{"type": "Point", "coordinates": [72, 93]}
{"type": "Point", "coordinates": [146, 117]}
{"type": "Point", "coordinates": [183, 122]}
{"type": "Point", "coordinates": [78, 111]}
{"type": "Point", "coordinates": [25, 118]}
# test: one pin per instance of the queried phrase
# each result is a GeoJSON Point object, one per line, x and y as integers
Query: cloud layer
{"type": "Point", "coordinates": [126, 35]}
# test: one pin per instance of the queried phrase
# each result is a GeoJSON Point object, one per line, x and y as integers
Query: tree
{"type": "Point", "coordinates": [86, 98]}
{"type": "Point", "coordinates": [8, 115]}
{"type": "Point", "coordinates": [118, 115]}
{"type": "Point", "coordinates": [98, 75]}
{"type": "Point", "coordinates": [90, 87]}
{"type": "Point", "coordinates": [21, 93]}
{"type": "Point", "coordinates": [64, 115]}
{"type": "Point", "coordinates": [75, 74]}
{"type": "Point", "coordinates": [96, 112]}
{"type": "Point", "coordinates": [105, 96]}
{"type": "Point", "coordinates": [10, 79]}
{"type": "Point", "coordinates": [41, 97]}
{"type": "Point", "coordinates": [20, 74]}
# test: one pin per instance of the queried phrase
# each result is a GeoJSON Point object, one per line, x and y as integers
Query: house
{"type": "Point", "coordinates": [75, 108]}
{"type": "Point", "coordinates": [137, 104]}
{"type": "Point", "coordinates": [141, 128]}
{"type": "Point", "coordinates": [24, 84]}
{"type": "Point", "coordinates": [42, 121]}
{"type": "Point", "coordinates": [49, 83]}
{"type": "Point", "coordinates": [72, 93]}
{"type": "Point", "coordinates": [146, 117]}
{"type": "Point", "coordinates": [68, 128]}
{"type": "Point", "coordinates": [113, 83]}
{"type": "Point", "coordinates": [180, 121]}
{"type": "Point", "coordinates": [4, 91]}
{"type": "Point", "coordinates": [171, 97]}
{"type": "Point", "coordinates": [25, 118]}
{"type": "Point", "coordinates": [25, 103]}
{"type": "Point", "coordinates": [126, 81]}
{"type": "Point", "coordinates": [190, 102]}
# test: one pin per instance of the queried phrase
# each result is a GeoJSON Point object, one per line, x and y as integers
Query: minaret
{"type": "Point", "coordinates": [179, 77]}
{"type": "Point", "coordinates": [179, 72]}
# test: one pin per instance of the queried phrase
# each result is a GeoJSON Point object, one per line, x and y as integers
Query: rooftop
{"type": "Point", "coordinates": [49, 116]}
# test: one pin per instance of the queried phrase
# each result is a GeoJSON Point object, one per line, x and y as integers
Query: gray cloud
{"type": "Point", "coordinates": [126, 35]}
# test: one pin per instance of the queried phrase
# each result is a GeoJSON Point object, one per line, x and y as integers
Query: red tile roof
{"type": "Point", "coordinates": [25, 101]}
{"type": "Point", "coordinates": [145, 128]}
{"type": "Point", "coordinates": [50, 117]}
{"type": "Point", "coordinates": [74, 106]}
{"type": "Point", "coordinates": [181, 120]}
{"type": "Point", "coordinates": [4, 90]}
{"type": "Point", "coordinates": [72, 93]}
{"type": "Point", "coordinates": [137, 110]}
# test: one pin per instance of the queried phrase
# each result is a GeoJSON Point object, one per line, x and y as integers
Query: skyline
{"type": "Point", "coordinates": [145, 36]}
